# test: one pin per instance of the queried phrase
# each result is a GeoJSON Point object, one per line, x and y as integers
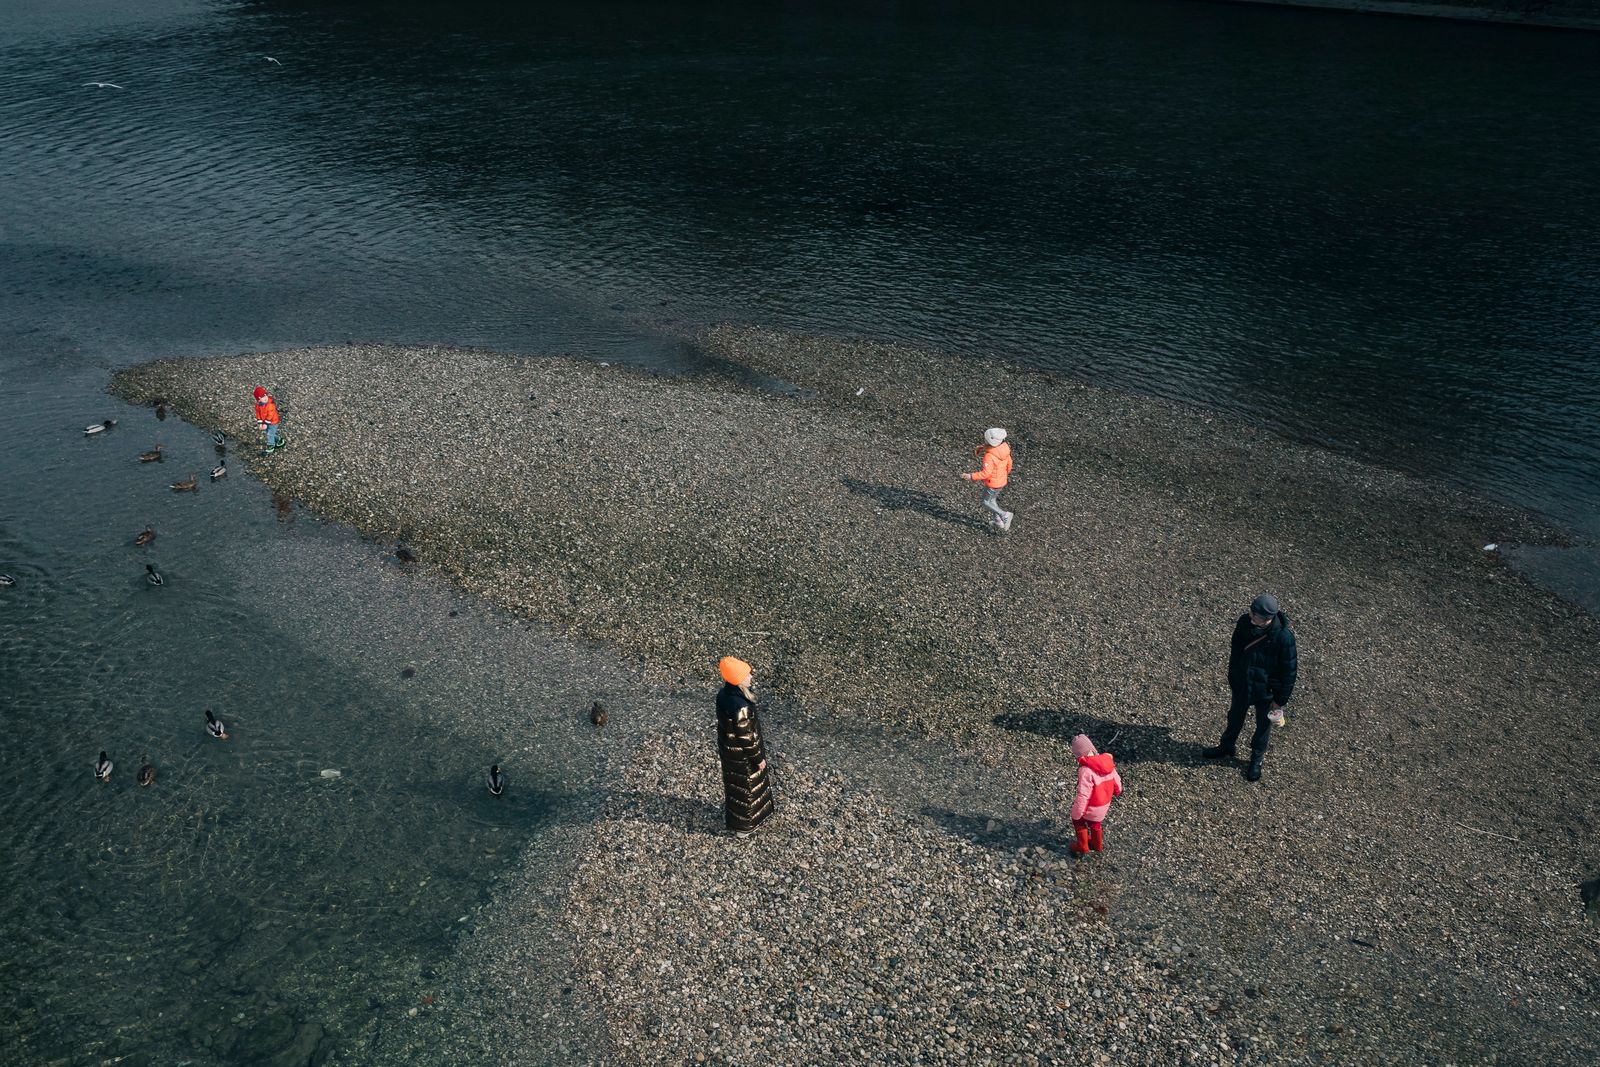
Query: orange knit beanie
{"type": "Point", "coordinates": [734, 671]}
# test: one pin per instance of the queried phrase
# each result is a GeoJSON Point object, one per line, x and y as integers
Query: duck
{"type": "Point", "coordinates": [161, 412]}
{"type": "Point", "coordinates": [152, 456]}
{"type": "Point", "coordinates": [497, 781]}
{"type": "Point", "coordinates": [219, 439]}
{"type": "Point", "coordinates": [152, 575]}
{"type": "Point", "coordinates": [187, 486]}
{"type": "Point", "coordinates": [145, 536]}
{"type": "Point", "coordinates": [102, 768]}
{"type": "Point", "coordinates": [214, 727]}
{"type": "Point", "coordinates": [147, 773]}
{"type": "Point", "coordinates": [99, 427]}
{"type": "Point", "coordinates": [597, 714]}
{"type": "Point", "coordinates": [7, 580]}
{"type": "Point", "coordinates": [219, 471]}
{"type": "Point", "coordinates": [405, 555]}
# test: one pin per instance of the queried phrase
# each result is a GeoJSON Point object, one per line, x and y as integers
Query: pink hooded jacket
{"type": "Point", "coordinates": [1098, 782]}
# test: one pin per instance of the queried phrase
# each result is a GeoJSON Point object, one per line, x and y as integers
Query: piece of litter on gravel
{"type": "Point", "coordinates": [861, 390]}
{"type": "Point", "coordinates": [331, 773]}
{"type": "Point", "coordinates": [1491, 546]}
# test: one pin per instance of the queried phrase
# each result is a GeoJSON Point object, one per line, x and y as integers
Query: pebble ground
{"type": "Point", "coordinates": [1401, 887]}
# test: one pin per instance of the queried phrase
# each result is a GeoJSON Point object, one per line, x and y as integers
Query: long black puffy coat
{"type": "Point", "coordinates": [747, 793]}
{"type": "Point", "coordinates": [1268, 670]}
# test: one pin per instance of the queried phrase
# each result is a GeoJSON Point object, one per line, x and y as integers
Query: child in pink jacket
{"type": "Point", "coordinates": [1098, 782]}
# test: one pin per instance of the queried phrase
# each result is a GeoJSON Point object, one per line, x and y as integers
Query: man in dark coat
{"type": "Point", "coordinates": [746, 792]}
{"type": "Point", "coordinates": [1261, 672]}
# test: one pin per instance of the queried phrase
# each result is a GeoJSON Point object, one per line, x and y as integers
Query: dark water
{"type": "Point", "coordinates": [1376, 233]}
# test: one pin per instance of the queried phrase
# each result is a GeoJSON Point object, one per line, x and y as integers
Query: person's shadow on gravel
{"type": "Point", "coordinates": [1000, 834]}
{"type": "Point", "coordinates": [1128, 742]}
{"type": "Point", "coordinates": [686, 813]}
{"type": "Point", "coordinates": [898, 498]}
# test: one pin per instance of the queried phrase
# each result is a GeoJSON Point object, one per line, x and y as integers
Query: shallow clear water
{"type": "Point", "coordinates": [246, 900]}
{"type": "Point", "coordinates": [1376, 233]}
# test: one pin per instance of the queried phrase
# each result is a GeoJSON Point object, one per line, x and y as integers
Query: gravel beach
{"type": "Point", "coordinates": [1401, 887]}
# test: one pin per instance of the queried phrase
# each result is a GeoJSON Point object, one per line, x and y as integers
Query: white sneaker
{"type": "Point", "coordinates": [742, 834]}
{"type": "Point", "coordinates": [1005, 522]}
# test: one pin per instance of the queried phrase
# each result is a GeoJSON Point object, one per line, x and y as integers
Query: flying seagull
{"type": "Point", "coordinates": [100, 85]}
{"type": "Point", "coordinates": [269, 59]}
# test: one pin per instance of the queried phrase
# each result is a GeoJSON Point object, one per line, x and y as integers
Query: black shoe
{"type": "Point", "coordinates": [1252, 773]}
{"type": "Point", "coordinates": [1218, 752]}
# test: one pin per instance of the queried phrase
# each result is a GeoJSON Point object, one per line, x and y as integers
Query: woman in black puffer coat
{"type": "Point", "coordinates": [746, 791]}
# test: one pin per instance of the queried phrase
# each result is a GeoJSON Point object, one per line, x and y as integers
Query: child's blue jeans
{"type": "Point", "coordinates": [272, 435]}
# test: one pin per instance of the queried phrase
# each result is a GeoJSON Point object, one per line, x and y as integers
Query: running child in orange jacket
{"type": "Point", "coordinates": [1098, 782]}
{"type": "Point", "coordinates": [995, 460]}
{"type": "Point", "coordinates": [267, 419]}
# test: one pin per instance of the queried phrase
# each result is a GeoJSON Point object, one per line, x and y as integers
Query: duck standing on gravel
{"type": "Point", "coordinates": [994, 459]}
{"type": "Point", "coordinates": [746, 791]}
{"type": "Point", "coordinates": [496, 780]}
{"type": "Point", "coordinates": [1262, 667]}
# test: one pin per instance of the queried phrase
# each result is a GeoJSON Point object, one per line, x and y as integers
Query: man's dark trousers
{"type": "Point", "coordinates": [1263, 734]}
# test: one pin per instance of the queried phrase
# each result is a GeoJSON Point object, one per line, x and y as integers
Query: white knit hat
{"type": "Point", "coordinates": [993, 436]}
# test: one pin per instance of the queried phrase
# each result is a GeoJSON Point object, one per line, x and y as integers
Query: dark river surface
{"type": "Point", "coordinates": [1378, 234]}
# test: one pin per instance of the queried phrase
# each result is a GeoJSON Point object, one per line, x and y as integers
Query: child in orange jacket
{"type": "Point", "coordinates": [1098, 782]}
{"type": "Point", "coordinates": [267, 419]}
{"type": "Point", "coordinates": [995, 459]}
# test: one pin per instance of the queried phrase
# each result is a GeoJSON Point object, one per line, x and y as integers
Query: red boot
{"type": "Point", "coordinates": [1096, 842]}
{"type": "Point", "coordinates": [1080, 844]}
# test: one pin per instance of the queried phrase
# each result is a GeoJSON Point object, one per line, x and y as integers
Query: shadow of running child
{"type": "Point", "coordinates": [899, 498]}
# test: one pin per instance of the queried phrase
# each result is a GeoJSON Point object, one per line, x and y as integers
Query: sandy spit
{"type": "Point", "coordinates": [1401, 887]}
